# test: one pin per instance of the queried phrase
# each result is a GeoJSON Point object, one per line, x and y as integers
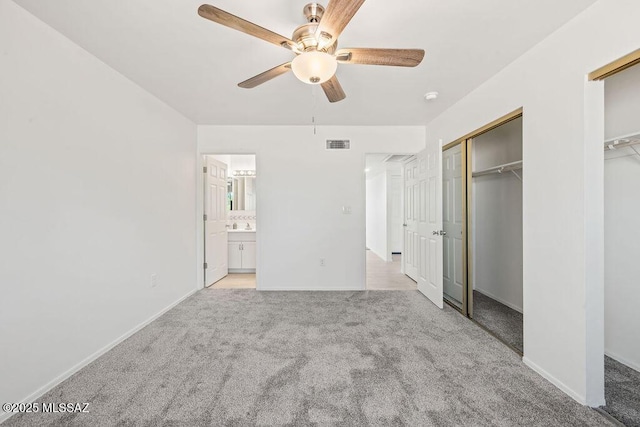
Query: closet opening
{"type": "Point", "coordinates": [482, 177]}
{"type": "Point", "coordinates": [621, 247]}
{"type": "Point", "coordinates": [495, 216]}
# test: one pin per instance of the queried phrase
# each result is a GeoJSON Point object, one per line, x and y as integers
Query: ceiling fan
{"type": "Point", "coordinates": [316, 46]}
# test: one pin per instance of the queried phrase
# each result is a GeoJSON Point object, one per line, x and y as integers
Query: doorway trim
{"type": "Point", "coordinates": [200, 230]}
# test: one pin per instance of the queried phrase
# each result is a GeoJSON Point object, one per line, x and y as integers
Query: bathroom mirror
{"type": "Point", "coordinates": [241, 193]}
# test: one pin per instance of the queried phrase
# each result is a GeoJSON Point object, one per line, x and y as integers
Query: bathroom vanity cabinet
{"type": "Point", "coordinates": [242, 251]}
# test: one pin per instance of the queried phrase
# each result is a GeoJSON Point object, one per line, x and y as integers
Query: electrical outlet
{"type": "Point", "coordinates": [323, 262]}
{"type": "Point", "coordinates": [154, 280]}
{"type": "Point", "coordinates": [346, 210]}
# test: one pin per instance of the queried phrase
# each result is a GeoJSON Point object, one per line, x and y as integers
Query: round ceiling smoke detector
{"type": "Point", "coordinates": [430, 96]}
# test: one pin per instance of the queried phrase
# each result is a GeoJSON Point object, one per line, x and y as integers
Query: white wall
{"type": "Point", "coordinates": [376, 213]}
{"type": "Point", "coordinates": [242, 162]}
{"type": "Point", "coordinates": [395, 211]}
{"type": "Point", "coordinates": [384, 208]}
{"type": "Point", "coordinates": [237, 161]}
{"type": "Point", "coordinates": [622, 213]}
{"type": "Point", "coordinates": [563, 190]}
{"type": "Point", "coordinates": [301, 189]}
{"type": "Point", "coordinates": [97, 192]}
{"type": "Point", "coordinates": [497, 216]}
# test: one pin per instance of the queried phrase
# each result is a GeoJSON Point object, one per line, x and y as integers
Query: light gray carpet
{"type": "Point", "coordinates": [622, 392]}
{"type": "Point", "coordinates": [503, 321]}
{"type": "Point", "coordinates": [243, 357]}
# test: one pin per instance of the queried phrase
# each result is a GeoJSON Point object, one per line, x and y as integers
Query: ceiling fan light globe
{"type": "Point", "coordinates": [314, 67]}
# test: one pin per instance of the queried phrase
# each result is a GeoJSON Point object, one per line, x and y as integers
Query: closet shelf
{"type": "Point", "coordinates": [507, 167]}
{"type": "Point", "coordinates": [622, 142]}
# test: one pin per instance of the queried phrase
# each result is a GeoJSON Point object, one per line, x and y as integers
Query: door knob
{"type": "Point", "coordinates": [404, 225]}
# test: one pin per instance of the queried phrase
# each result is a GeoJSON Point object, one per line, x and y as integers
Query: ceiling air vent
{"type": "Point", "coordinates": [338, 144]}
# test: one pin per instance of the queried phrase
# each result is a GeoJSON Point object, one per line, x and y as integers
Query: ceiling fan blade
{"type": "Point", "coordinates": [393, 57]}
{"type": "Point", "coordinates": [333, 90]}
{"type": "Point", "coordinates": [335, 19]}
{"type": "Point", "coordinates": [266, 76]}
{"type": "Point", "coordinates": [228, 20]}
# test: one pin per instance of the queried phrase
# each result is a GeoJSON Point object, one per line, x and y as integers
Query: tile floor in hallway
{"type": "Point", "coordinates": [236, 281]}
{"type": "Point", "coordinates": [382, 275]}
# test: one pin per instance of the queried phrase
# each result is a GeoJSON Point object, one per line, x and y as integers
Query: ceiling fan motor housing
{"type": "Point", "coordinates": [313, 12]}
{"type": "Point", "coordinates": [305, 35]}
{"type": "Point", "coordinates": [305, 38]}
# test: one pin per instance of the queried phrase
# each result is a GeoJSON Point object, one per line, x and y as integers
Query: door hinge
{"type": "Point", "coordinates": [205, 265]}
{"type": "Point", "coordinates": [204, 217]}
{"type": "Point", "coordinates": [204, 169]}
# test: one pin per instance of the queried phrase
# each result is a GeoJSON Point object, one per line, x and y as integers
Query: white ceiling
{"type": "Point", "coordinates": [376, 160]}
{"type": "Point", "coordinates": [194, 65]}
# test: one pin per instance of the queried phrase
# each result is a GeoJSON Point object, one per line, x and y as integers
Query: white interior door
{"type": "Point", "coordinates": [215, 224]}
{"type": "Point", "coordinates": [429, 220]}
{"type": "Point", "coordinates": [452, 216]}
{"type": "Point", "coordinates": [411, 252]}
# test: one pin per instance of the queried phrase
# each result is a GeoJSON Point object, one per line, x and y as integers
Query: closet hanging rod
{"type": "Point", "coordinates": [622, 142]}
{"type": "Point", "coordinates": [499, 169]}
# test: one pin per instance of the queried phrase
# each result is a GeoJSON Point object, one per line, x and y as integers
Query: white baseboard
{"type": "Point", "coordinates": [623, 360]}
{"type": "Point", "coordinates": [60, 378]}
{"type": "Point", "coordinates": [500, 300]}
{"type": "Point", "coordinates": [556, 382]}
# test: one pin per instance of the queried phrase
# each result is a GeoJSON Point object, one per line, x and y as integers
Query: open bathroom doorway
{"type": "Point", "coordinates": [386, 225]}
{"type": "Point", "coordinates": [230, 217]}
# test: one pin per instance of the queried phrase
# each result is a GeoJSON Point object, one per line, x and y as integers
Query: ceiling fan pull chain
{"type": "Point", "coordinates": [314, 101]}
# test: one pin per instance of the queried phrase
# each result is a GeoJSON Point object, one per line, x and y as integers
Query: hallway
{"type": "Point", "coordinates": [386, 276]}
